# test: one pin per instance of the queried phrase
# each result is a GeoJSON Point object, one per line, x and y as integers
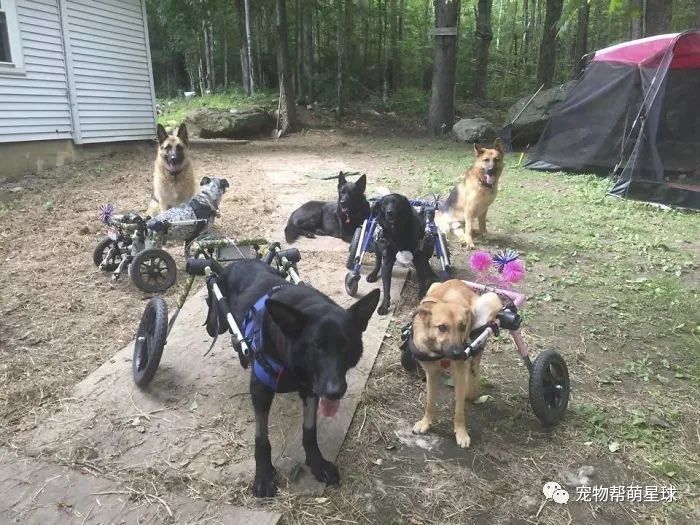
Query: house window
{"type": "Point", "coordinates": [10, 47]}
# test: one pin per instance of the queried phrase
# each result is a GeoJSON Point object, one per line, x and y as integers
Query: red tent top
{"type": "Point", "coordinates": [648, 52]}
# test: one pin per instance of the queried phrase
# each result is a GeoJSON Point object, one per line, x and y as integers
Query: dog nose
{"type": "Point", "coordinates": [334, 389]}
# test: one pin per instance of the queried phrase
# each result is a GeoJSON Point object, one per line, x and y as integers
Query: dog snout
{"type": "Point", "coordinates": [333, 389]}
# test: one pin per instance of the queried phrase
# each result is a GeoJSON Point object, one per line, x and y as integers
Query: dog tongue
{"type": "Point", "coordinates": [489, 179]}
{"type": "Point", "coordinates": [328, 407]}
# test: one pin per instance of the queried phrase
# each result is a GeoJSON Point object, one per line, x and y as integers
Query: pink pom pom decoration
{"type": "Point", "coordinates": [480, 261]}
{"type": "Point", "coordinates": [513, 271]}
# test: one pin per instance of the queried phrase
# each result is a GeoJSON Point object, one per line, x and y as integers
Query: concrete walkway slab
{"type": "Point", "coordinates": [36, 492]}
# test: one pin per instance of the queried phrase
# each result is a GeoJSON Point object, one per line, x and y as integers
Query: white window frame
{"type": "Point", "coordinates": [9, 7]}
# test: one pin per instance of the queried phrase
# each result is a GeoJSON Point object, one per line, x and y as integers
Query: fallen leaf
{"type": "Point", "coordinates": [613, 446]}
{"type": "Point", "coordinates": [482, 399]}
{"type": "Point", "coordinates": [320, 500]}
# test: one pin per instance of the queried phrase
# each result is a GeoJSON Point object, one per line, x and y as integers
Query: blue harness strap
{"type": "Point", "coordinates": [268, 370]}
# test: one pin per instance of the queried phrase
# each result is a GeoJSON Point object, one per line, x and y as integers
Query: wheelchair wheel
{"type": "Point", "coordinates": [352, 283]}
{"type": "Point", "coordinates": [549, 387]}
{"type": "Point", "coordinates": [150, 340]}
{"type": "Point", "coordinates": [153, 270]}
{"type": "Point", "coordinates": [101, 254]}
{"type": "Point", "coordinates": [352, 250]}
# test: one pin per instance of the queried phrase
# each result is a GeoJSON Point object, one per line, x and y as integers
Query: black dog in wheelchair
{"type": "Point", "coordinates": [297, 340]}
{"type": "Point", "coordinates": [398, 230]}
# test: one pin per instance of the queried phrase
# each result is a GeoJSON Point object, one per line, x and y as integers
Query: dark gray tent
{"type": "Point", "coordinates": [635, 111]}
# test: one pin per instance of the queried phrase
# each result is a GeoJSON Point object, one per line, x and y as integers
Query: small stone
{"type": "Point", "coordinates": [220, 461]}
{"type": "Point", "coordinates": [83, 230]}
{"type": "Point", "coordinates": [141, 429]}
{"type": "Point", "coordinates": [16, 189]}
{"type": "Point", "coordinates": [378, 462]}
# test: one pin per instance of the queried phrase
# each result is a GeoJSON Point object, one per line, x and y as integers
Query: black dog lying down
{"type": "Point", "coordinates": [305, 343]}
{"type": "Point", "coordinates": [402, 230]}
{"type": "Point", "coordinates": [337, 219]}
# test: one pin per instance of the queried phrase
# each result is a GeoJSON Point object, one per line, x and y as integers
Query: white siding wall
{"type": "Point", "coordinates": [110, 70]}
{"type": "Point", "coordinates": [35, 106]}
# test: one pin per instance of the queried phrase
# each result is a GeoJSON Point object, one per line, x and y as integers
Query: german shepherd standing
{"type": "Point", "coordinates": [306, 343]}
{"type": "Point", "coordinates": [471, 197]}
{"type": "Point", "coordinates": [337, 219]}
{"type": "Point", "coordinates": [173, 176]}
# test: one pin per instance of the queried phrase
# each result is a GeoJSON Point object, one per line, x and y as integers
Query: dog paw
{"type": "Point", "coordinates": [325, 471]}
{"type": "Point", "coordinates": [469, 244]}
{"type": "Point", "coordinates": [371, 278]}
{"type": "Point", "coordinates": [265, 484]}
{"type": "Point", "coordinates": [422, 426]}
{"type": "Point", "coordinates": [463, 439]}
{"type": "Point", "coordinates": [310, 235]}
{"type": "Point", "coordinates": [383, 309]}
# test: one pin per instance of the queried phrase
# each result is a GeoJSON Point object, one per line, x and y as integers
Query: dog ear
{"type": "Point", "coordinates": [341, 179]}
{"type": "Point", "coordinates": [182, 134]}
{"type": "Point", "coordinates": [290, 320]}
{"type": "Point", "coordinates": [161, 134]}
{"type": "Point", "coordinates": [377, 207]}
{"type": "Point", "coordinates": [484, 309]}
{"type": "Point", "coordinates": [223, 184]}
{"type": "Point", "coordinates": [498, 145]}
{"type": "Point", "coordinates": [478, 149]}
{"type": "Point", "coordinates": [205, 180]}
{"type": "Point", "coordinates": [363, 309]}
{"type": "Point", "coordinates": [361, 184]}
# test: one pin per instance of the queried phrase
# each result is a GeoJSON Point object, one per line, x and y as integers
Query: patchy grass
{"type": "Point", "coordinates": [174, 111]}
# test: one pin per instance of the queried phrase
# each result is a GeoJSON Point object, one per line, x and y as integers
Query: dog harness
{"type": "Point", "coordinates": [269, 371]}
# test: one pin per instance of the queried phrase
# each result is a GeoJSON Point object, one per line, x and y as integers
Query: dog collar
{"type": "Point", "coordinates": [173, 173]}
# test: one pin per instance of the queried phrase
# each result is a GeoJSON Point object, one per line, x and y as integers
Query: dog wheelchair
{"type": "Point", "coordinates": [135, 243]}
{"type": "Point", "coordinates": [365, 240]}
{"type": "Point", "coordinates": [548, 388]}
{"type": "Point", "coordinates": [207, 258]}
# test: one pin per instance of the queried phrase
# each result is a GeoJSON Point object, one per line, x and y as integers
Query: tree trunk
{"type": "Point", "coordinates": [636, 9]}
{"type": "Point", "coordinates": [581, 44]}
{"type": "Point", "coordinates": [400, 47]}
{"type": "Point", "coordinates": [299, 52]}
{"type": "Point", "coordinates": [225, 38]}
{"type": "Point", "coordinates": [697, 13]}
{"type": "Point", "coordinates": [249, 46]}
{"type": "Point", "coordinates": [484, 36]}
{"type": "Point", "coordinates": [340, 48]}
{"type": "Point", "coordinates": [442, 100]}
{"type": "Point", "coordinates": [548, 47]}
{"type": "Point", "coordinates": [657, 19]}
{"type": "Point", "coordinates": [309, 53]}
{"type": "Point", "coordinates": [288, 114]}
{"type": "Point", "coordinates": [245, 63]}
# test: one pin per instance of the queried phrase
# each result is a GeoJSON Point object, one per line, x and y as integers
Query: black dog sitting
{"type": "Point", "coordinates": [337, 219]}
{"type": "Point", "coordinates": [303, 342]}
{"type": "Point", "coordinates": [402, 229]}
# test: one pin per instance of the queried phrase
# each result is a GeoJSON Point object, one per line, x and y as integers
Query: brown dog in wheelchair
{"type": "Point", "coordinates": [441, 328]}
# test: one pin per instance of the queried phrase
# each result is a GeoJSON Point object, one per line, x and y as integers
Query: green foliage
{"type": "Point", "coordinates": [174, 111]}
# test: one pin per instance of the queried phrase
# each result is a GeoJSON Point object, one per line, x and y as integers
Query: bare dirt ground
{"type": "Point", "coordinates": [60, 319]}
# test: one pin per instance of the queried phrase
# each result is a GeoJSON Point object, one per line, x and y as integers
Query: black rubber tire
{"type": "Point", "coordinates": [549, 387]}
{"type": "Point", "coordinates": [352, 250]}
{"type": "Point", "coordinates": [100, 252]}
{"type": "Point", "coordinates": [153, 270]}
{"type": "Point", "coordinates": [150, 341]}
{"type": "Point", "coordinates": [352, 281]}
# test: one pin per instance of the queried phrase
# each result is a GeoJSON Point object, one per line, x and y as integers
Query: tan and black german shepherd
{"type": "Point", "coordinates": [173, 176]}
{"type": "Point", "coordinates": [441, 327]}
{"type": "Point", "coordinates": [471, 197]}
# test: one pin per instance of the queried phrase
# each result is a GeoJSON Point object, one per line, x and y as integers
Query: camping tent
{"type": "Point", "coordinates": [636, 111]}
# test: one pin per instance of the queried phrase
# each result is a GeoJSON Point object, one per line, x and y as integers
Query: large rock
{"type": "Point", "coordinates": [209, 123]}
{"type": "Point", "coordinates": [529, 126]}
{"type": "Point", "coordinates": [474, 130]}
